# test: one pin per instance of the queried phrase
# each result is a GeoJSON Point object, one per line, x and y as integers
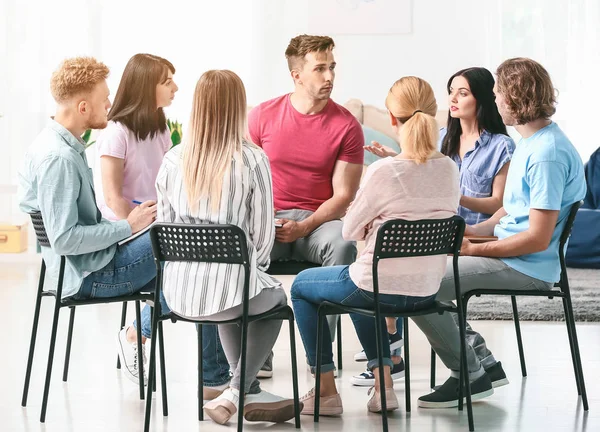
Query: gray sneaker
{"type": "Point", "coordinates": [266, 371]}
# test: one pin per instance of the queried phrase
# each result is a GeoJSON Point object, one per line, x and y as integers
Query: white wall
{"type": "Point", "coordinates": [250, 37]}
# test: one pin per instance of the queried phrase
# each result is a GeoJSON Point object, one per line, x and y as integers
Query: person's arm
{"type": "Point", "coordinates": [254, 133]}
{"type": "Point", "coordinates": [535, 239]}
{"type": "Point", "coordinates": [546, 182]}
{"type": "Point", "coordinates": [345, 181]}
{"type": "Point", "coordinates": [262, 217]}
{"type": "Point", "coordinates": [491, 204]}
{"type": "Point", "coordinates": [363, 210]}
{"type": "Point", "coordinates": [486, 228]}
{"type": "Point", "coordinates": [165, 211]}
{"type": "Point", "coordinates": [59, 184]}
{"type": "Point", "coordinates": [112, 169]}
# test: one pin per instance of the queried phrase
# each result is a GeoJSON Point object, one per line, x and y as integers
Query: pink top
{"type": "Point", "coordinates": [401, 189]}
{"type": "Point", "coordinates": [142, 162]}
{"type": "Point", "coordinates": [303, 149]}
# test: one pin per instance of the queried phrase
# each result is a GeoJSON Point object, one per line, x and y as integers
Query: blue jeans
{"type": "Point", "coordinates": [333, 284]}
{"type": "Point", "coordinates": [132, 270]}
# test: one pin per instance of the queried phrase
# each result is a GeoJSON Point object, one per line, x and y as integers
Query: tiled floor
{"type": "Point", "coordinates": [98, 398]}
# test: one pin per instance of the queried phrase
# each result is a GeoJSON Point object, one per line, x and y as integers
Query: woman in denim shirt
{"type": "Point", "coordinates": [476, 139]}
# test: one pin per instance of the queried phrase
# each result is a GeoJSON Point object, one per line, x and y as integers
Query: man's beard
{"type": "Point", "coordinates": [97, 124]}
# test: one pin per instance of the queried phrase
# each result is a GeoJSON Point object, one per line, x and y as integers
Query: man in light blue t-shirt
{"type": "Point", "coordinates": [545, 179]}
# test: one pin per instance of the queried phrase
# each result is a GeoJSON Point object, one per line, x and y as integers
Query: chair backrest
{"type": "Point", "coordinates": [400, 238]}
{"type": "Point", "coordinates": [40, 229]}
{"type": "Point", "coordinates": [569, 224]}
{"type": "Point", "coordinates": [200, 243]}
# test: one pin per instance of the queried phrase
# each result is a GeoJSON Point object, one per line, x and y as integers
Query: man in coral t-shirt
{"type": "Point", "coordinates": [315, 147]}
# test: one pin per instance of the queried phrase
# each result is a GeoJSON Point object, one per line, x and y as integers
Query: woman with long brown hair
{"type": "Point", "coordinates": [218, 177]}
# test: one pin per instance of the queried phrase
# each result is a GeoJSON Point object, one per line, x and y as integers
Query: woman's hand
{"type": "Point", "coordinates": [380, 150]}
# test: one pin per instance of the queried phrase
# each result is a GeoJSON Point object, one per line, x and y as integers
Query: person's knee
{"type": "Point", "coordinates": [340, 252]}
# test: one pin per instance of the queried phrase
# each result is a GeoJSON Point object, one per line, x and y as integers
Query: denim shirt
{"type": "Point", "coordinates": [479, 168]}
{"type": "Point", "coordinates": [56, 180]}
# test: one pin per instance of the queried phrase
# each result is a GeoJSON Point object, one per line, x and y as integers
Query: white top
{"type": "Point", "coordinates": [194, 289]}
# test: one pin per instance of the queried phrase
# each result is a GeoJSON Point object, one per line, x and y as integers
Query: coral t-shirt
{"type": "Point", "coordinates": [142, 162]}
{"type": "Point", "coordinates": [303, 149]}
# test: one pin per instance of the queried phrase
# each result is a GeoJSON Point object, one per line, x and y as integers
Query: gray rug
{"type": "Point", "coordinates": [585, 293]}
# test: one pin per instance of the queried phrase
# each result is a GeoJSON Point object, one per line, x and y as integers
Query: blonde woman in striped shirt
{"type": "Point", "coordinates": [218, 177]}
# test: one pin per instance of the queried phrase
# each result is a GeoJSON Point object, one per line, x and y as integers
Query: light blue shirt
{"type": "Point", "coordinates": [56, 180]}
{"type": "Point", "coordinates": [546, 173]}
{"type": "Point", "coordinates": [479, 167]}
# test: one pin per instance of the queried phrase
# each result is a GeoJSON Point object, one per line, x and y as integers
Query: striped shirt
{"type": "Point", "coordinates": [196, 289]}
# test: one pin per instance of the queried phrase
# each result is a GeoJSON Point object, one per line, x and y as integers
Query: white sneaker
{"type": "Point", "coordinates": [265, 406]}
{"type": "Point", "coordinates": [128, 354]}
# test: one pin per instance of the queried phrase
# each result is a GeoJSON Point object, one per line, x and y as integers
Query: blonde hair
{"type": "Point", "coordinates": [412, 102]}
{"type": "Point", "coordinates": [216, 130]}
{"type": "Point", "coordinates": [76, 75]}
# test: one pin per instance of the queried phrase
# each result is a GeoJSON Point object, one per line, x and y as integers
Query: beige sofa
{"type": "Point", "coordinates": [378, 119]}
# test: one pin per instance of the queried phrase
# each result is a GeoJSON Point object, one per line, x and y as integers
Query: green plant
{"type": "Point", "coordinates": [86, 138]}
{"type": "Point", "coordinates": [176, 131]}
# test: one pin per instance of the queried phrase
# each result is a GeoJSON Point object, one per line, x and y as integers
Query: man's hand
{"type": "Point", "coordinates": [468, 249]}
{"type": "Point", "coordinates": [142, 216]}
{"type": "Point", "coordinates": [289, 232]}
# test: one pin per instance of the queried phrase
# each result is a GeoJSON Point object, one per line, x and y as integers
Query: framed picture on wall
{"type": "Point", "coordinates": [336, 17]}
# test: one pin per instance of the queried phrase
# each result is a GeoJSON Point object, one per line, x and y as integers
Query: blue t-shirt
{"type": "Point", "coordinates": [479, 167]}
{"type": "Point", "coordinates": [545, 173]}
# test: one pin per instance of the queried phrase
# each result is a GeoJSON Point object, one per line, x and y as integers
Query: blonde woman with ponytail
{"type": "Point", "coordinates": [218, 177]}
{"type": "Point", "coordinates": [419, 183]}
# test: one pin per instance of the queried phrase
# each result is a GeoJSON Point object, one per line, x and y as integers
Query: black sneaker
{"type": "Point", "coordinates": [447, 395]}
{"type": "Point", "coordinates": [497, 375]}
{"type": "Point", "coordinates": [367, 378]}
{"type": "Point", "coordinates": [396, 341]}
{"type": "Point", "coordinates": [266, 371]}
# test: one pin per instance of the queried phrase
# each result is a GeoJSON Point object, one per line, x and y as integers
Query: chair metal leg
{"type": "Point", "coordinates": [200, 375]}
{"type": "Point", "coordinates": [379, 336]}
{"type": "Point", "coordinates": [579, 367]}
{"type": "Point", "coordinates": [123, 318]}
{"type": "Point", "coordinates": [163, 373]}
{"type": "Point", "coordinates": [320, 324]}
{"type": "Point", "coordinates": [140, 348]}
{"type": "Point", "coordinates": [36, 318]}
{"type": "Point", "coordinates": [464, 383]}
{"type": "Point", "coordinates": [295, 370]}
{"type": "Point", "coordinates": [433, 365]}
{"type": "Point", "coordinates": [151, 374]}
{"type": "Point", "coordinates": [406, 366]}
{"type": "Point", "coordinates": [570, 334]}
{"type": "Point", "coordinates": [69, 340]}
{"type": "Point", "coordinates": [339, 343]}
{"type": "Point", "coordinates": [519, 339]}
{"type": "Point", "coordinates": [50, 360]}
{"type": "Point", "coordinates": [240, 426]}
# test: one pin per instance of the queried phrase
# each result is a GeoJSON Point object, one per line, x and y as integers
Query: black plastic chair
{"type": "Point", "coordinates": [42, 238]}
{"type": "Point", "coordinates": [217, 244]}
{"type": "Point", "coordinates": [400, 239]}
{"type": "Point", "coordinates": [293, 268]}
{"type": "Point", "coordinates": [563, 292]}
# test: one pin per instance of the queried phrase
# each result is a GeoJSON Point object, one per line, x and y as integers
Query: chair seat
{"type": "Point", "coordinates": [333, 308]}
{"type": "Point", "coordinates": [70, 301]}
{"type": "Point", "coordinates": [289, 267]}
{"type": "Point", "coordinates": [516, 293]}
{"type": "Point", "coordinates": [281, 312]}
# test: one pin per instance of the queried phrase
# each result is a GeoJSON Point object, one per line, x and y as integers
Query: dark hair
{"type": "Point", "coordinates": [135, 101]}
{"type": "Point", "coordinates": [527, 89]}
{"type": "Point", "coordinates": [481, 83]}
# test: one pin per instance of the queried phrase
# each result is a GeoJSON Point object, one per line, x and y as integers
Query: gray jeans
{"type": "Point", "coordinates": [261, 336]}
{"type": "Point", "coordinates": [442, 330]}
{"type": "Point", "coordinates": [324, 246]}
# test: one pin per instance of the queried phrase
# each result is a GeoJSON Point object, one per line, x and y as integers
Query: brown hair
{"type": "Point", "coordinates": [304, 44]}
{"type": "Point", "coordinates": [411, 100]}
{"type": "Point", "coordinates": [135, 101]}
{"type": "Point", "coordinates": [527, 89]}
{"type": "Point", "coordinates": [216, 131]}
{"type": "Point", "coordinates": [76, 75]}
